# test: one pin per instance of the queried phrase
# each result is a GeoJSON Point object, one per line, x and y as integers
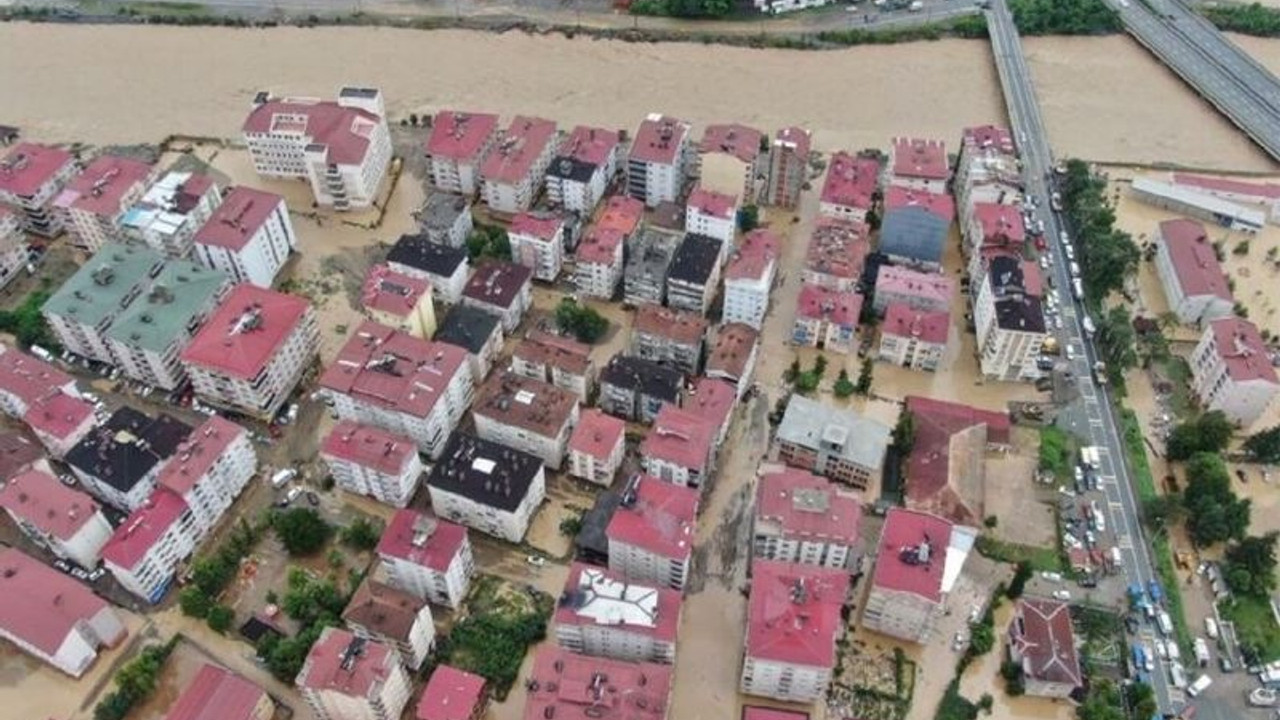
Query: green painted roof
{"type": "Point", "coordinates": [182, 291]}
{"type": "Point", "coordinates": [96, 291]}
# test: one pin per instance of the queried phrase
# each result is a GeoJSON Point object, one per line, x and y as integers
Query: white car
{"type": "Point", "coordinates": [536, 561]}
{"type": "Point", "coordinates": [1063, 595]}
{"type": "Point", "coordinates": [1070, 352]}
{"type": "Point", "coordinates": [1089, 327]}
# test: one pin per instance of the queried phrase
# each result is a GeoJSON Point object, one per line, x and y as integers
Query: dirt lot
{"type": "Point", "coordinates": [1013, 496]}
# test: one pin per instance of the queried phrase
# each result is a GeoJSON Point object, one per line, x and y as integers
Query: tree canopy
{"type": "Point", "coordinates": [1064, 17]}
{"type": "Point", "coordinates": [1208, 433]}
{"type": "Point", "coordinates": [582, 321]}
{"type": "Point", "coordinates": [1264, 445]}
{"type": "Point", "coordinates": [301, 530]}
{"type": "Point", "coordinates": [1214, 513]}
{"type": "Point", "coordinates": [1107, 255]}
{"type": "Point", "coordinates": [1250, 565]}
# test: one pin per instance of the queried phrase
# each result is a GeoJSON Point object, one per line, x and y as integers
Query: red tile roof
{"type": "Point", "coordinates": [18, 453]}
{"type": "Point", "coordinates": [837, 248]}
{"type": "Point", "coordinates": [36, 497]}
{"type": "Point", "coordinates": [566, 686]}
{"type": "Point", "coordinates": [597, 434]}
{"type": "Point", "coordinates": [1000, 223]}
{"type": "Point", "coordinates": [459, 135]}
{"type": "Point", "coordinates": [733, 139]}
{"type": "Point", "coordinates": [58, 414]}
{"type": "Point", "coordinates": [498, 283]}
{"type": "Point", "coordinates": [851, 181]}
{"type": "Point", "coordinates": [751, 259]}
{"type": "Point", "coordinates": [679, 437]}
{"type": "Point", "coordinates": [897, 565]}
{"type": "Point", "coordinates": [797, 136]}
{"type": "Point", "coordinates": [543, 348]}
{"type": "Point", "coordinates": [324, 669]}
{"type": "Point", "coordinates": [393, 369]}
{"type": "Point", "coordinates": [1042, 632]}
{"type": "Point", "coordinates": [451, 694]}
{"type": "Point", "coordinates": [901, 321]}
{"type": "Point", "coordinates": [41, 605]}
{"type": "Point", "coordinates": [662, 624]}
{"type": "Point", "coordinates": [543, 226]}
{"type": "Point", "coordinates": [659, 139]}
{"type": "Point", "coordinates": [131, 542]}
{"type": "Point", "coordinates": [683, 328]}
{"type": "Point", "coordinates": [1241, 348]}
{"type": "Point", "coordinates": [422, 539]}
{"type": "Point", "coordinates": [28, 166]}
{"type": "Point", "coordinates": [246, 331]}
{"type": "Point", "coordinates": [370, 447]}
{"type": "Point", "coordinates": [710, 202]}
{"type": "Point", "coordinates": [732, 348]}
{"type": "Point", "coordinates": [932, 287]}
{"type": "Point", "coordinates": [937, 423]}
{"type": "Point", "coordinates": [1270, 191]}
{"type": "Point", "coordinates": [711, 399]}
{"type": "Point", "coordinates": [27, 377]}
{"type": "Point", "coordinates": [533, 405]}
{"type": "Point", "coordinates": [1194, 261]}
{"type": "Point", "coordinates": [938, 204]}
{"type": "Point", "coordinates": [989, 137]}
{"type": "Point", "coordinates": [917, 158]}
{"type": "Point", "coordinates": [217, 694]}
{"type": "Point", "coordinates": [242, 213]}
{"type": "Point", "coordinates": [511, 158]}
{"type": "Point", "coordinates": [661, 519]}
{"type": "Point", "coordinates": [793, 614]}
{"type": "Point", "coordinates": [395, 293]}
{"type": "Point", "coordinates": [820, 303]}
{"type": "Point", "coordinates": [807, 507]}
{"type": "Point", "coordinates": [196, 455]}
{"type": "Point", "coordinates": [600, 245]}
{"type": "Point", "coordinates": [589, 145]}
{"type": "Point", "coordinates": [621, 213]}
{"type": "Point", "coordinates": [100, 188]}
{"type": "Point", "coordinates": [344, 131]}
{"type": "Point", "coordinates": [384, 611]}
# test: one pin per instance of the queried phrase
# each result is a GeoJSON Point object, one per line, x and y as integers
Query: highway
{"type": "Point", "coordinates": [1101, 426]}
{"type": "Point", "coordinates": [1232, 81]}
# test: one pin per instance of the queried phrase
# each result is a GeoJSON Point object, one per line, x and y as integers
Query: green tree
{"type": "Point", "coordinates": [1116, 341]}
{"type": "Point", "coordinates": [194, 602]}
{"type": "Point", "coordinates": [1103, 702]}
{"type": "Point", "coordinates": [1161, 511]}
{"type": "Point", "coordinates": [220, 619]}
{"type": "Point", "coordinates": [863, 386]}
{"type": "Point", "coordinates": [1064, 17]}
{"type": "Point", "coordinates": [1252, 19]}
{"type": "Point", "coordinates": [488, 241]}
{"type": "Point", "coordinates": [1055, 451]}
{"type": "Point", "coordinates": [1264, 445]}
{"type": "Point", "coordinates": [820, 365]}
{"type": "Point", "coordinates": [982, 637]}
{"type": "Point", "coordinates": [904, 432]}
{"type": "Point", "coordinates": [748, 218]}
{"type": "Point", "coordinates": [843, 387]}
{"type": "Point", "coordinates": [583, 321]}
{"type": "Point", "coordinates": [1209, 433]}
{"type": "Point", "coordinates": [1250, 565]}
{"type": "Point", "coordinates": [362, 534]}
{"type": "Point", "coordinates": [1021, 575]}
{"type": "Point", "coordinates": [807, 382]}
{"type": "Point", "coordinates": [301, 530]}
{"type": "Point", "coordinates": [27, 324]}
{"type": "Point", "coordinates": [1214, 513]}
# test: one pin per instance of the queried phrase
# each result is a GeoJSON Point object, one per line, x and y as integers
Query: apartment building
{"type": "Point", "coordinates": [488, 487]}
{"type": "Point", "coordinates": [1193, 280]}
{"type": "Point", "coordinates": [399, 301]}
{"type": "Point", "coordinates": [444, 266]}
{"type": "Point", "coordinates": [600, 614]}
{"type": "Point", "coordinates": [249, 236]}
{"type": "Point", "coordinates": [988, 169]}
{"type": "Point", "coordinates": [341, 148]}
{"type": "Point", "coordinates": [209, 470]}
{"type": "Point", "coordinates": [476, 332]}
{"type": "Point", "coordinates": [836, 254]}
{"type": "Point", "coordinates": [732, 357]}
{"type": "Point", "coordinates": [349, 677]}
{"type": "Point", "coordinates": [658, 163]}
{"type": "Point", "coordinates": [94, 202]}
{"type": "Point", "coordinates": [749, 277]}
{"type": "Point", "coordinates": [669, 336]}
{"type": "Point", "coordinates": [445, 218]}
{"type": "Point", "coordinates": [369, 461]}
{"type": "Point", "coordinates": [60, 519]}
{"type": "Point", "coordinates": [711, 213]}
{"type": "Point", "coordinates": [1010, 320]}
{"type": "Point", "coordinates": [583, 168]}
{"type": "Point", "coordinates": [596, 447]}
{"type": "Point", "coordinates": [648, 260]}
{"type": "Point", "coordinates": [512, 171]}
{"type": "Point", "coordinates": [918, 164]}
{"type": "Point", "coordinates": [145, 551]}
{"type": "Point", "coordinates": [119, 461]}
{"type": "Point", "coordinates": [60, 421]}
{"type": "Point", "coordinates": [14, 252]}
{"type": "Point", "coordinates": [916, 226]}
{"type": "Point", "coordinates": [503, 289]}
{"type": "Point", "coordinates": [993, 229]}
{"type": "Point", "coordinates": [253, 350]}
{"type": "Point", "coordinates": [561, 361]}
{"type": "Point", "coordinates": [1041, 640]}
{"type": "Point", "coordinates": [168, 215]}
{"type": "Point", "coordinates": [564, 685]}
{"type": "Point", "coordinates": [537, 242]}
{"type": "Point", "coordinates": [52, 617]}
{"type": "Point", "coordinates": [850, 188]}
{"type": "Point", "coordinates": [599, 255]}
{"type": "Point", "coordinates": [452, 694]}
{"type": "Point", "coordinates": [25, 379]}
{"type": "Point", "coordinates": [31, 177]}
{"type": "Point", "coordinates": [19, 453]}
{"type": "Point", "coordinates": [218, 694]}
{"type": "Point", "coordinates": [694, 279]}
{"type": "Point", "coordinates": [650, 536]}
{"type": "Point", "coordinates": [713, 400]}
{"type": "Point", "coordinates": [679, 449]}
{"type": "Point", "coordinates": [827, 319]}
{"type": "Point", "coordinates": [428, 557]}
{"type": "Point", "coordinates": [731, 161]}
{"type": "Point", "coordinates": [913, 339]}
{"type": "Point", "coordinates": [526, 414]}
{"type": "Point", "coordinates": [458, 143]}
{"type": "Point", "coordinates": [636, 389]}
{"type": "Point", "coordinates": [146, 339]}
{"type": "Point", "coordinates": [919, 559]}
{"type": "Point", "coordinates": [803, 518]}
{"type": "Point", "coordinates": [788, 166]}
{"type": "Point", "coordinates": [947, 463]}
{"type": "Point", "coordinates": [392, 617]}
{"type": "Point", "coordinates": [921, 291]}
{"type": "Point", "coordinates": [793, 622]}
{"type": "Point", "coordinates": [1231, 371]}
{"type": "Point", "coordinates": [837, 444]}
{"type": "Point", "coordinates": [399, 383]}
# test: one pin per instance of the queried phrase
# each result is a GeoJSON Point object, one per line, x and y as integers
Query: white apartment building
{"type": "Point", "coordinates": [526, 414]}
{"type": "Point", "coordinates": [209, 470]}
{"type": "Point", "coordinates": [502, 289]}
{"type": "Point", "coordinates": [658, 162]}
{"type": "Point", "coordinates": [748, 278]}
{"type": "Point", "coordinates": [119, 460]}
{"type": "Point", "coordinates": [342, 148]}
{"type": "Point", "coordinates": [348, 677]}
{"type": "Point", "coordinates": [168, 215]}
{"type": "Point", "coordinates": [1231, 371]}
{"type": "Point", "coordinates": [402, 384]}
{"type": "Point", "coordinates": [487, 487]}
{"type": "Point", "coordinates": [584, 166]}
{"type": "Point", "coordinates": [1009, 320]}
{"type": "Point", "coordinates": [1193, 280]}
{"type": "Point", "coordinates": [444, 266]}
{"type": "Point", "coordinates": [253, 350]}
{"type": "Point", "coordinates": [600, 252]}
{"type": "Point", "coordinates": [427, 557]}
{"type": "Point", "coordinates": [31, 176]}
{"type": "Point", "coordinates": [913, 339]}
{"type": "Point", "coordinates": [680, 447]}
{"type": "Point", "coordinates": [918, 164]}
{"type": "Point", "coordinates": [391, 616]}
{"type": "Point", "coordinates": [802, 518]}
{"type": "Point", "coordinates": [561, 361]}
{"type": "Point", "coordinates": [93, 204]}
{"type": "Point", "coordinates": [24, 380]}
{"type": "Point", "coordinates": [596, 447]}
{"type": "Point", "coordinates": [602, 615]}
{"type": "Point", "coordinates": [14, 253]}
{"type": "Point", "coordinates": [712, 214]}
{"type": "Point", "coordinates": [788, 166]}
{"type": "Point", "coordinates": [458, 143]}
{"type": "Point", "coordinates": [63, 520]}
{"type": "Point", "coordinates": [848, 192]}
{"type": "Point", "coordinates": [249, 236]}
{"type": "Point", "coordinates": [368, 461]}
{"type": "Point", "coordinates": [511, 174]}
{"type": "Point", "coordinates": [650, 536]}
{"type": "Point", "coordinates": [987, 171]}
{"type": "Point", "coordinates": [729, 160]}
{"type": "Point", "coordinates": [537, 242]}
{"type": "Point", "coordinates": [144, 553]}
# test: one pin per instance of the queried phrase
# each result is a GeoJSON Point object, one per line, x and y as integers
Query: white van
{"type": "Point", "coordinates": [1075, 269]}
{"type": "Point", "coordinates": [1089, 327]}
{"type": "Point", "coordinates": [1077, 289]}
{"type": "Point", "coordinates": [1201, 684]}
{"type": "Point", "coordinates": [282, 477]}
{"type": "Point", "coordinates": [1211, 628]}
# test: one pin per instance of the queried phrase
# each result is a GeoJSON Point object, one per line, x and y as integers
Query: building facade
{"type": "Point", "coordinates": [393, 617]}
{"type": "Point", "coordinates": [602, 615]}
{"type": "Point", "coordinates": [658, 163]}
{"type": "Point", "coordinates": [636, 389]}
{"type": "Point", "coordinates": [584, 166]}
{"type": "Point", "coordinates": [561, 361]}
{"type": "Point", "coordinates": [1231, 371]}
{"type": "Point", "coordinates": [913, 339]}
{"type": "Point", "coordinates": [827, 319]}
{"type": "Point", "coordinates": [537, 242]}
{"type": "Point", "coordinates": [713, 214]}
{"type": "Point", "coordinates": [596, 447]}
{"type": "Point", "coordinates": [349, 677]}
{"type": "Point", "coordinates": [512, 171]}
{"type": "Point", "coordinates": [444, 266]}
{"type": "Point", "coordinates": [526, 414]}
{"type": "Point", "coordinates": [487, 487]}
{"type": "Point", "coordinates": [31, 177]}
{"type": "Point", "coordinates": [669, 336]}
{"type": "Point", "coordinates": [730, 161]}
{"type": "Point", "coordinates": [650, 535]}
{"type": "Point", "coordinates": [1189, 272]}
{"type": "Point", "coordinates": [249, 237]}
{"type": "Point", "coordinates": [503, 289]}
{"type": "Point", "coordinates": [457, 146]}
{"type": "Point", "coordinates": [837, 444]}
{"type": "Point", "coordinates": [803, 518]}
{"type": "Point", "coordinates": [368, 461]}
{"type": "Point", "coordinates": [168, 215]}
{"type": "Point", "coordinates": [93, 204]}
{"type": "Point", "coordinates": [749, 275]}
{"type": "Point", "coordinates": [599, 255]}
{"type": "Point", "coordinates": [788, 166]}
{"type": "Point", "coordinates": [399, 301]}
{"type": "Point", "coordinates": [60, 519]}
{"type": "Point", "coordinates": [679, 448]}
{"type": "Point", "coordinates": [850, 188]}
{"type": "Point", "coordinates": [428, 557]}
{"type": "Point", "coordinates": [1010, 320]}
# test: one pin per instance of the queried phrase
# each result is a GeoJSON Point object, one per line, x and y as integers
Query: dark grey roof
{"type": "Point", "coordinates": [914, 233]}
{"type": "Point", "coordinates": [648, 377]}
{"type": "Point", "coordinates": [695, 259]}
{"type": "Point", "coordinates": [1015, 308]}
{"type": "Point", "coordinates": [467, 327]}
{"type": "Point", "coordinates": [592, 540]}
{"type": "Point", "coordinates": [571, 168]}
{"type": "Point", "coordinates": [441, 211]}
{"type": "Point", "coordinates": [498, 283]}
{"type": "Point", "coordinates": [125, 448]}
{"type": "Point", "coordinates": [461, 470]}
{"type": "Point", "coordinates": [416, 251]}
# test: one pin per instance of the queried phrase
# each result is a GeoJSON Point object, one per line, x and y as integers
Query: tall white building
{"type": "Point", "coordinates": [1009, 320]}
{"type": "Point", "coordinates": [209, 470]}
{"type": "Point", "coordinates": [144, 553]}
{"type": "Point", "coordinates": [749, 277]}
{"type": "Point", "coordinates": [348, 677]}
{"type": "Point", "coordinates": [31, 176]}
{"type": "Point", "coordinates": [368, 461]}
{"type": "Point", "coordinates": [512, 171]}
{"type": "Point", "coordinates": [730, 160]}
{"type": "Point", "coordinates": [428, 557]}
{"type": "Point", "coordinates": [168, 215]}
{"type": "Point", "coordinates": [487, 487]}
{"type": "Point", "coordinates": [596, 447]}
{"type": "Point", "coordinates": [14, 252]}
{"type": "Point", "coordinates": [1231, 370]}
{"type": "Point", "coordinates": [458, 143]}
{"type": "Point", "coordinates": [802, 518]}
{"type": "Point", "coordinates": [713, 214]}
{"type": "Point", "coordinates": [67, 522]}
{"type": "Point", "coordinates": [537, 242]}
{"type": "Point", "coordinates": [526, 414]}
{"type": "Point", "coordinates": [93, 204]}
{"type": "Point", "coordinates": [650, 536]}
{"type": "Point", "coordinates": [658, 163]}
{"type": "Point", "coordinates": [583, 168]}
{"type": "Point", "coordinates": [249, 236]}
{"type": "Point", "coordinates": [1188, 268]}
{"type": "Point", "coordinates": [600, 253]}
{"type": "Point", "coordinates": [602, 615]}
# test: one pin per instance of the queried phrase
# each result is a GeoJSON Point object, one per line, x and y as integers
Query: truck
{"type": "Point", "coordinates": [1165, 623]}
{"type": "Point", "coordinates": [1202, 652]}
{"type": "Point", "coordinates": [1089, 456]}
